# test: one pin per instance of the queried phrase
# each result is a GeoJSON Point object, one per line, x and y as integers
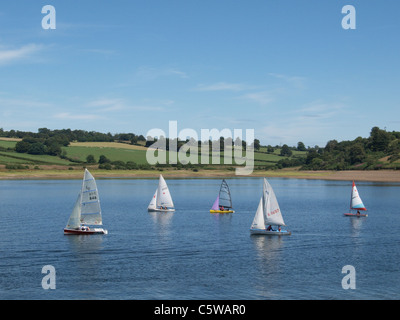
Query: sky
{"type": "Point", "coordinates": [286, 69]}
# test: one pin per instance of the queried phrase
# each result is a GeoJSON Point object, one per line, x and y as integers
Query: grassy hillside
{"type": "Point", "coordinates": [77, 152]}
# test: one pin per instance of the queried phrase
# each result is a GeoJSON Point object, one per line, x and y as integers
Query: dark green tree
{"type": "Point", "coordinates": [90, 159]}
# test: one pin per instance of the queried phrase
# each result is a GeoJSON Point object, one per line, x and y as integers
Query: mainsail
{"type": "Point", "coordinates": [356, 202]}
{"type": "Point", "coordinates": [90, 202]}
{"type": "Point", "coordinates": [225, 195]}
{"type": "Point", "coordinates": [272, 212]}
{"type": "Point", "coordinates": [163, 196]}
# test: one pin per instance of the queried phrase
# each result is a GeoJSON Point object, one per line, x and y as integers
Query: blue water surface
{"type": "Point", "coordinates": [192, 254]}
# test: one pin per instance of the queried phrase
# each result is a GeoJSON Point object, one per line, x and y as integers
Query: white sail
{"type": "Point", "coordinates": [163, 195]}
{"type": "Point", "coordinates": [75, 218]}
{"type": "Point", "coordinates": [90, 202]}
{"type": "Point", "coordinates": [272, 212]}
{"type": "Point", "coordinates": [356, 202]}
{"type": "Point", "coordinates": [258, 221]}
{"type": "Point", "coordinates": [153, 202]}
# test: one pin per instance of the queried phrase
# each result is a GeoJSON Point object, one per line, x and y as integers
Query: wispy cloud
{"type": "Point", "coordinates": [262, 98]}
{"type": "Point", "coordinates": [320, 110]}
{"type": "Point", "coordinates": [105, 105]}
{"type": "Point", "coordinates": [224, 86]}
{"type": "Point", "coordinates": [69, 116]}
{"type": "Point", "coordinates": [296, 81]}
{"type": "Point", "coordinates": [12, 103]}
{"type": "Point", "coordinates": [149, 73]}
{"type": "Point", "coordinates": [10, 55]}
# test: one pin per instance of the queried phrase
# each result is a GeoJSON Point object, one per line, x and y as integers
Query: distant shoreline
{"type": "Point", "coordinates": [63, 174]}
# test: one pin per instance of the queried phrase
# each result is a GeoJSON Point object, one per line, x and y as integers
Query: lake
{"type": "Point", "coordinates": [192, 254]}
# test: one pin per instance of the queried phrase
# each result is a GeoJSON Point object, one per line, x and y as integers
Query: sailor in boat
{"type": "Point", "coordinates": [269, 228]}
{"type": "Point", "coordinates": [358, 212]}
{"type": "Point", "coordinates": [84, 228]}
{"type": "Point", "coordinates": [221, 208]}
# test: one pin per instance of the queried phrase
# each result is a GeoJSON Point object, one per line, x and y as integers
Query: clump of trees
{"type": "Point", "coordinates": [361, 153]}
{"type": "Point", "coordinates": [51, 146]}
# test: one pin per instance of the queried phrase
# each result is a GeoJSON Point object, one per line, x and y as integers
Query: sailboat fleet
{"type": "Point", "coordinates": [86, 216]}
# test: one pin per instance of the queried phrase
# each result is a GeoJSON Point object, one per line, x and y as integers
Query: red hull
{"type": "Point", "coordinates": [356, 215]}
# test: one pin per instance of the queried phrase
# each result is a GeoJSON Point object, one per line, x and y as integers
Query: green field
{"type": "Point", "coordinates": [77, 153]}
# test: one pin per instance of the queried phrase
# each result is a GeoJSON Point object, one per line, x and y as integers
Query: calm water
{"type": "Point", "coordinates": [192, 254]}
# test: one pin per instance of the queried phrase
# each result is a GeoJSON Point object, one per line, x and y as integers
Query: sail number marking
{"type": "Point", "coordinates": [273, 212]}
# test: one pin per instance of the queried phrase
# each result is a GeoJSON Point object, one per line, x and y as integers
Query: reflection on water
{"type": "Point", "coordinates": [356, 225]}
{"type": "Point", "coordinates": [269, 254]}
{"type": "Point", "coordinates": [86, 256]}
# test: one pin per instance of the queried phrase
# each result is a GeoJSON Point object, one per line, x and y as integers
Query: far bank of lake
{"type": "Point", "coordinates": [60, 173]}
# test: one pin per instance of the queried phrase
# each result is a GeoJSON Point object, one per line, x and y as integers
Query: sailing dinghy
{"type": "Point", "coordinates": [87, 210]}
{"type": "Point", "coordinates": [268, 214]}
{"type": "Point", "coordinates": [162, 200]}
{"type": "Point", "coordinates": [356, 204]}
{"type": "Point", "coordinates": [223, 203]}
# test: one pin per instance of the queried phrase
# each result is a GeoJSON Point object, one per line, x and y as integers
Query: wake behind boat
{"type": "Point", "coordinates": [223, 203]}
{"type": "Point", "coordinates": [268, 214]}
{"type": "Point", "coordinates": [87, 210]}
{"type": "Point", "coordinates": [356, 204]}
{"type": "Point", "coordinates": [162, 200]}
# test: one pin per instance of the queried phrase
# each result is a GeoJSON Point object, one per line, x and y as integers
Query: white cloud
{"type": "Point", "coordinates": [223, 86]}
{"type": "Point", "coordinates": [148, 73]}
{"type": "Point", "coordinates": [69, 116]}
{"type": "Point", "coordinates": [263, 97]}
{"type": "Point", "coordinates": [10, 55]}
{"type": "Point", "coordinates": [296, 81]}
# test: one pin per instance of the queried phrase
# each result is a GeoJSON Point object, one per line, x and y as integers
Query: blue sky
{"type": "Point", "coordinates": [286, 69]}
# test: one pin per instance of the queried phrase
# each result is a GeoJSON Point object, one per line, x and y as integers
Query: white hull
{"type": "Point", "coordinates": [68, 231]}
{"type": "Point", "coordinates": [161, 210]}
{"type": "Point", "coordinates": [270, 233]}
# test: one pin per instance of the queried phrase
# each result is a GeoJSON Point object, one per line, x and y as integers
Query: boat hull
{"type": "Point", "coordinates": [270, 233]}
{"type": "Point", "coordinates": [85, 232]}
{"type": "Point", "coordinates": [222, 211]}
{"type": "Point", "coordinates": [356, 215]}
{"type": "Point", "coordinates": [161, 210]}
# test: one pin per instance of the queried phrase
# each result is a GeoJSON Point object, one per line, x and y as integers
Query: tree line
{"type": "Point", "coordinates": [360, 153]}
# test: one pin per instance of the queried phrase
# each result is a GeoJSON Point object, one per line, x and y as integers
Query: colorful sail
{"type": "Point", "coordinates": [216, 204]}
{"type": "Point", "coordinates": [356, 202]}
